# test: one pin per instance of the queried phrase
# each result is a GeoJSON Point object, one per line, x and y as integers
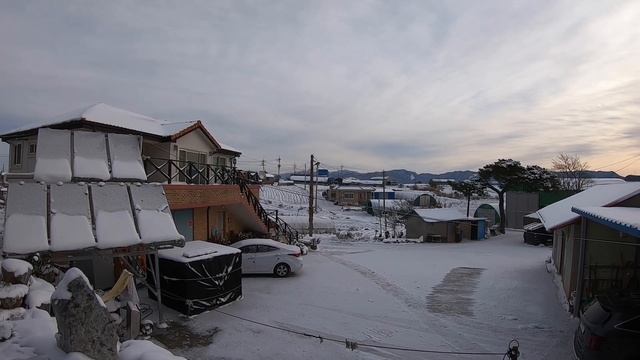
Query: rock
{"type": "Point", "coordinates": [15, 271]}
{"type": "Point", "coordinates": [12, 296]}
{"type": "Point", "coordinates": [84, 324]}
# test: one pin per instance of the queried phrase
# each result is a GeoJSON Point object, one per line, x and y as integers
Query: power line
{"type": "Point", "coordinates": [352, 345]}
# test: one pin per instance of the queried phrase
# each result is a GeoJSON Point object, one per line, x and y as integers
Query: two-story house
{"type": "Point", "coordinates": [197, 170]}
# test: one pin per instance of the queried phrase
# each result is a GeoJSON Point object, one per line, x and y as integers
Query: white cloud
{"type": "Point", "coordinates": [369, 84]}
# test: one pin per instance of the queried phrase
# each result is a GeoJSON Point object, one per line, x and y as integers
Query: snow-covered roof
{"type": "Point", "coordinates": [112, 116]}
{"type": "Point", "coordinates": [559, 214]}
{"type": "Point", "coordinates": [354, 188]}
{"type": "Point", "coordinates": [442, 214]}
{"type": "Point", "coordinates": [627, 219]}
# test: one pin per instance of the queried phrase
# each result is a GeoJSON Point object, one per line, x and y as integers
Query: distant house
{"type": "Point", "coordinates": [444, 225]}
{"type": "Point", "coordinates": [572, 220]}
{"type": "Point", "coordinates": [346, 195]}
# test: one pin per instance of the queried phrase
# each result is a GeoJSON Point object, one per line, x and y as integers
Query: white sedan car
{"type": "Point", "coordinates": [266, 256]}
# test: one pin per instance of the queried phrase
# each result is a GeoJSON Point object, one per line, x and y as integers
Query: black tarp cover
{"type": "Point", "coordinates": [194, 287]}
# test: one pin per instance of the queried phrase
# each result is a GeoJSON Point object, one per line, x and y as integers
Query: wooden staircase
{"type": "Point", "coordinates": [176, 171]}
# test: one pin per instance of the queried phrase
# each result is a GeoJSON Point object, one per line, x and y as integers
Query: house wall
{"type": "Point", "coordinates": [416, 227]}
{"type": "Point", "coordinates": [565, 253]}
{"type": "Point", "coordinates": [28, 164]}
{"type": "Point", "coordinates": [198, 142]}
{"type": "Point", "coordinates": [211, 204]}
{"type": "Point", "coordinates": [360, 197]}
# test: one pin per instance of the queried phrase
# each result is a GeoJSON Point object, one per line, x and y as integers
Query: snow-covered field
{"type": "Point", "coordinates": [469, 297]}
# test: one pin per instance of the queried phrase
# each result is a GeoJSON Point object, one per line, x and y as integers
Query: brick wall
{"type": "Point", "coordinates": [216, 198]}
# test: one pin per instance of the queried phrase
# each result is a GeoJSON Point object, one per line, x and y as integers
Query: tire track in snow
{"type": "Point", "coordinates": [455, 340]}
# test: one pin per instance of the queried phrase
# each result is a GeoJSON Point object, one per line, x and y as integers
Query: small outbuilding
{"type": "Point", "coordinates": [489, 212]}
{"type": "Point", "coordinates": [350, 195]}
{"type": "Point", "coordinates": [444, 225]}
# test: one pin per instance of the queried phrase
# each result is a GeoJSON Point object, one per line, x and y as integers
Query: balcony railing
{"type": "Point", "coordinates": [187, 172]}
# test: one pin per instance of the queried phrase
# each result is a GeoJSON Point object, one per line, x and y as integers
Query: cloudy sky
{"type": "Point", "coordinates": [427, 86]}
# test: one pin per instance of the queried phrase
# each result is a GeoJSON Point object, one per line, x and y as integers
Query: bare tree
{"type": "Point", "coordinates": [571, 172]}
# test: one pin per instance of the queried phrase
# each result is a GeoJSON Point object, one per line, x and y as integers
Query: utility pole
{"type": "Point", "coordinates": [317, 167]}
{"type": "Point", "coordinates": [278, 168]}
{"type": "Point", "coordinates": [384, 201]}
{"type": "Point", "coordinates": [263, 165]}
{"type": "Point", "coordinates": [311, 198]}
{"type": "Point", "coordinates": [305, 176]}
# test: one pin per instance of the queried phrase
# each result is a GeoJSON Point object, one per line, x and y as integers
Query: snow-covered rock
{"type": "Point", "coordinates": [84, 324]}
{"type": "Point", "coordinates": [16, 271]}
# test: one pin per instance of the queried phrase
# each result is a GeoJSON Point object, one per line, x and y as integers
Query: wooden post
{"type": "Point", "coordinates": [311, 198]}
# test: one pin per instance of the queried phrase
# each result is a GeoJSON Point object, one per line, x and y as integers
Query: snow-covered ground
{"type": "Point", "coordinates": [351, 223]}
{"type": "Point", "coordinates": [469, 297]}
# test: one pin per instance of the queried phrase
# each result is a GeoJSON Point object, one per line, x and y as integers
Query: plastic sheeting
{"type": "Point", "coordinates": [26, 225]}
{"type": "Point", "coordinates": [53, 157]}
{"type": "Point", "coordinates": [126, 157]}
{"type": "Point", "coordinates": [113, 216]}
{"type": "Point", "coordinates": [152, 212]}
{"type": "Point", "coordinates": [70, 218]}
{"type": "Point", "coordinates": [90, 155]}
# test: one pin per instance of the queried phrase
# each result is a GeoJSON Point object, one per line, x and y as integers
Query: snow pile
{"type": "Point", "coordinates": [40, 293]}
{"type": "Point", "coordinates": [90, 155]}
{"type": "Point", "coordinates": [16, 266]}
{"type": "Point", "coordinates": [126, 157]}
{"type": "Point", "coordinates": [62, 290]}
{"type": "Point", "coordinates": [13, 291]}
{"type": "Point", "coordinates": [53, 158]}
{"type": "Point", "coordinates": [144, 350]}
{"type": "Point", "coordinates": [6, 330]}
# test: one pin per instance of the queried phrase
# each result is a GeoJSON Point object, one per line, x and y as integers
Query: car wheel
{"type": "Point", "coordinates": [281, 270]}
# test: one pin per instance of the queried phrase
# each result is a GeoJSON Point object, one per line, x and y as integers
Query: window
{"type": "Point", "coordinates": [266, 248]}
{"type": "Point", "coordinates": [348, 195]}
{"type": "Point", "coordinates": [17, 154]}
{"type": "Point", "coordinates": [249, 249]}
{"type": "Point", "coordinates": [221, 161]}
{"type": "Point", "coordinates": [32, 148]}
{"type": "Point", "coordinates": [192, 163]}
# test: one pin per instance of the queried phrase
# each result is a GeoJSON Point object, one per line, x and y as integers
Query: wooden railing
{"type": "Point", "coordinates": [187, 172]}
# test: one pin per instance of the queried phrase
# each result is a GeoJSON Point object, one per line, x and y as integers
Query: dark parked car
{"type": "Point", "coordinates": [610, 328]}
{"type": "Point", "coordinates": [536, 234]}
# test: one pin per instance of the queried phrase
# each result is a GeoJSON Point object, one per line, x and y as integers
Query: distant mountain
{"type": "Point", "coordinates": [402, 176]}
{"type": "Point", "coordinates": [603, 174]}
